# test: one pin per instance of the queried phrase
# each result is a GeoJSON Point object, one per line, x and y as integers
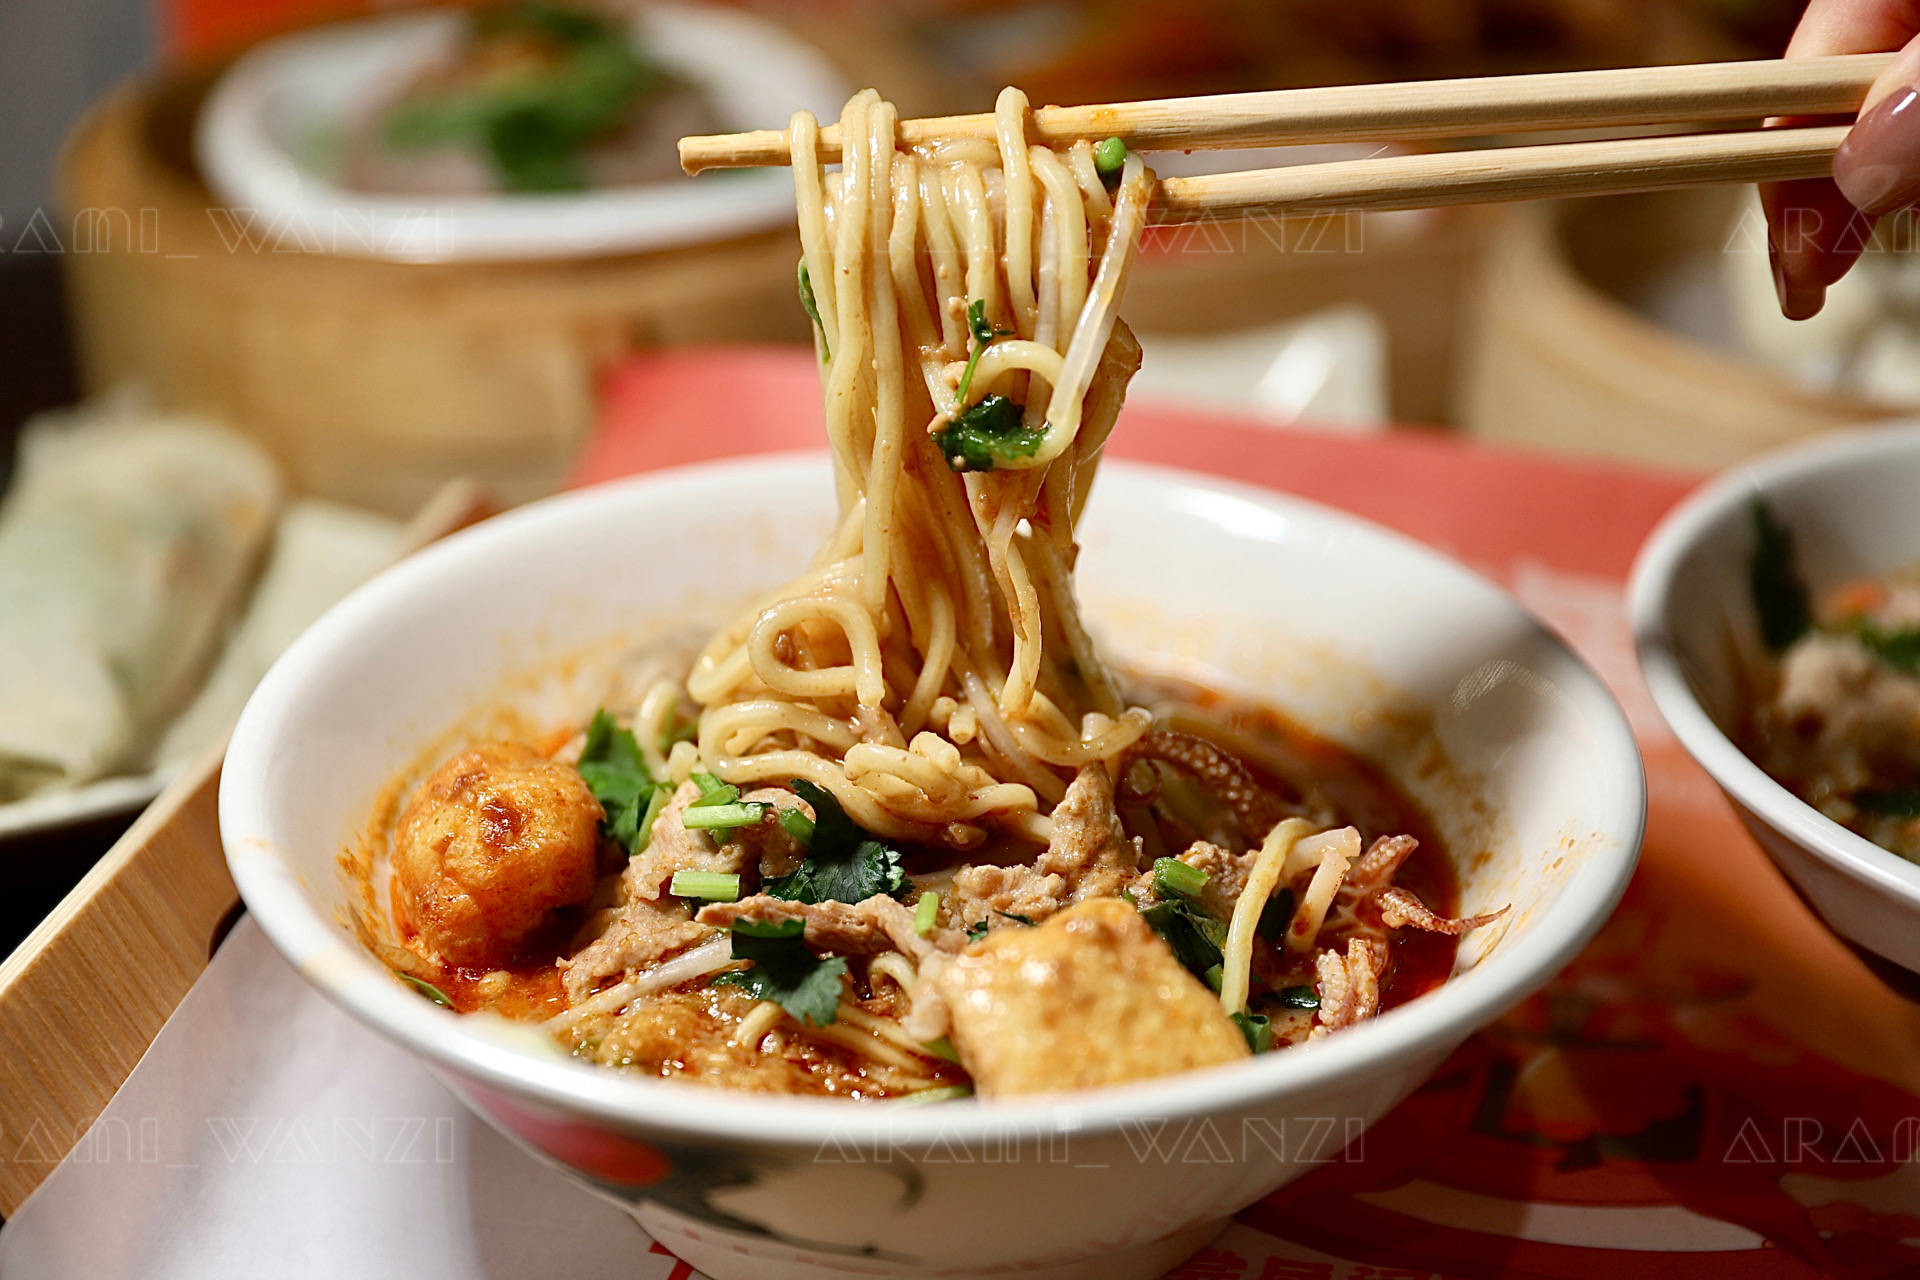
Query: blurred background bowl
{"type": "Point", "coordinates": [1850, 504]}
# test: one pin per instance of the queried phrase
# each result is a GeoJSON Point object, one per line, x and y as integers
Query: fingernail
{"type": "Point", "coordinates": [1878, 166]}
{"type": "Point", "coordinates": [1799, 300]}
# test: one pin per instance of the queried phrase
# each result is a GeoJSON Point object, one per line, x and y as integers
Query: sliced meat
{"type": "Point", "coordinates": [1089, 998]}
{"type": "Point", "coordinates": [984, 892]}
{"type": "Point", "coordinates": [862, 928]}
{"type": "Point", "coordinates": [636, 935]}
{"type": "Point", "coordinates": [1090, 851]}
{"type": "Point", "coordinates": [1226, 876]}
{"type": "Point", "coordinates": [1402, 907]}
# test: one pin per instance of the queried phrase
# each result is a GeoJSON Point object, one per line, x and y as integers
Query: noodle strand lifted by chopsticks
{"type": "Point", "coordinates": [931, 669]}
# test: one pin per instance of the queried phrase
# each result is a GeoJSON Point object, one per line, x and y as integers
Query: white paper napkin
{"type": "Point", "coordinates": [267, 1134]}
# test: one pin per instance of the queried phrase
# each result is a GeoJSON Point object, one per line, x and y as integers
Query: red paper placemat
{"type": "Point", "coordinates": [1716, 1085]}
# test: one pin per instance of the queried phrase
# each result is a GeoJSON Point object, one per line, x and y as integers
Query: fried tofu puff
{"type": "Point", "coordinates": [495, 841]}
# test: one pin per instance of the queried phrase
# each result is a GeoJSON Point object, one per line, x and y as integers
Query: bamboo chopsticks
{"type": "Point", "coordinates": [1611, 98]}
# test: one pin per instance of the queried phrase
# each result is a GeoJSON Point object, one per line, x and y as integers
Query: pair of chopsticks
{"type": "Point", "coordinates": [1571, 100]}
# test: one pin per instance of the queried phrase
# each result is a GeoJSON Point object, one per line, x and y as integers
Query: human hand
{"type": "Point", "coordinates": [1817, 227]}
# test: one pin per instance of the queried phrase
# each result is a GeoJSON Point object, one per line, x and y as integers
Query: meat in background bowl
{"type": "Point", "coordinates": [1851, 503]}
{"type": "Point", "coordinates": [1513, 747]}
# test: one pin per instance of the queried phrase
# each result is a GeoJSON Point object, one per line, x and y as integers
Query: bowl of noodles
{"type": "Point", "coordinates": [849, 862]}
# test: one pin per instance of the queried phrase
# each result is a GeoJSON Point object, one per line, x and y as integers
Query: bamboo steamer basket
{"type": "Point", "coordinates": [1560, 360]}
{"type": "Point", "coordinates": [372, 382]}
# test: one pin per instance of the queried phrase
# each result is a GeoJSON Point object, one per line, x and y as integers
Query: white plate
{"type": "Point", "coordinates": [51, 810]}
{"type": "Point", "coordinates": [257, 133]}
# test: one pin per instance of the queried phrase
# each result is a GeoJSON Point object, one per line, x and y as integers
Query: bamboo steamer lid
{"type": "Point", "coordinates": [1560, 361]}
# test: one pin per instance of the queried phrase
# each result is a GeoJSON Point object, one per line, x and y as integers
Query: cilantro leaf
{"type": "Point", "coordinates": [785, 971]}
{"type": "Point", "coordinates": [843, 863]}
{"type": "Point", "coordinates": [986, 435]}
{"type": "Point", "coordinates": [1780, 596]}
{"type": "Point", "coordinates": [613, 769]}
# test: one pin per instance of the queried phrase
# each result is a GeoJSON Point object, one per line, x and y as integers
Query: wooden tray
{"type": "Point", "coordinates": [87, 991]}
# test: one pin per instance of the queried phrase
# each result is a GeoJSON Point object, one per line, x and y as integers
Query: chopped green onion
{"type": "Point", "coordinates": [1213, 978]}
{"type": "Point", "coordinates": [708, 886]}
{"type": "Point", "coordinates": [945, 1093]}
{"type": "Point", "coordinates": [708, 817]}
{"type": "Point", "coordinates": [644, 832]}
{"type": "Point", "coordinates": [1173, 878]}
{"type": "Point", "coordinates": [797, 824]}
{"type": "Point", "coordinates": [942, 1048]}
{"type": "Point", "coordinates": [426, 989]}
{"type": "Point", "coordinates": [1257, 1029]}
{"type": "Point", "coordinates": [1300, 998]}
{"type": "Point", "coordinates": [925, 912]}
{"type": "Point", "coordinates": [714, 791]}
{"type": "Point", "coordinates": [1109, 158]}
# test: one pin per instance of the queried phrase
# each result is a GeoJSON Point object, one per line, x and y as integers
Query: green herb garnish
{"type": "Point", "coordinates": [533, 120]}
{"type": "Point", "coordinates": [983, 334]}
{"type": "Point", "coordinates": [719, 810]}
{"type": "Point", "coordinates": [979, 928]}
{"type": "Point", "coordinates": [1173, 878]}
{"type": "Point", "coordinates": [722, 819]}
{"type": "Point", "coordinates": [1890, 802]}
{"type": "Point", "coordinates": [942, 1048]}
{"type": "Point", "coordinates": [1276, 916]}
{"type": "Point", "coordinates": [707, 886]}
{"type": "Point", "coordinates": [425, 988]}
{"type": "Point", "coordinates": [987, 435]}
{"type": "Point", "coordinates": [1256, 1028]}
{"type": "Point", "coordinates": [1195, 936]}
{"type": "Point", "coordinates": [1899, 648]}
{"type": "Point", "coordinates": [812, 308]}
{"type": "Point", "coordinates": [798, 825]}
{"type": "Point", "coordinates": [1780, 596]}
{"type": "Point", "coordinates": [784, 971]}
{"type": "Point", "coordinates": [843, 863]}
{"type": "Point", "coordinates": [614, 770]}
{"type": "Point", "coordinates": [925, 912]}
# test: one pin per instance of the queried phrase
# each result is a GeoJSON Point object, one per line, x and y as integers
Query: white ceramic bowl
{"type": "Point", "coordinates": [259, 134]}
{"type": "Point", "coordinates": [1363, 635]}
{"type": "Point", "coordinates": [1852, 501]}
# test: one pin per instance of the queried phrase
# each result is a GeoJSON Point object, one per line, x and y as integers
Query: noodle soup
{"type": "Point", "coordinates": [1186, 844]}
{"type": "Point", "coordinates": [897, 829]}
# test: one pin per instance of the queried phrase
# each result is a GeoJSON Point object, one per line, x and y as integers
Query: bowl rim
{"type": "Point", "coordinates": [1650, 599]}
{"type": "Point", "coordinates": [342, 970]}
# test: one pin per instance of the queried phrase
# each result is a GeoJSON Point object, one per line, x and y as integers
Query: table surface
{"type": "Point", "coordinates": [1715, 1083]}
